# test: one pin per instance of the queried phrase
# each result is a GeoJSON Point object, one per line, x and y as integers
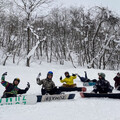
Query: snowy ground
{"type": "Point", "coordinates": [77, 109]}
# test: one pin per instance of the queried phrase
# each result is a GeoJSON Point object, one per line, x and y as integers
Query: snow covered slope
{"type": "Point", "coordinates": [77, 109]}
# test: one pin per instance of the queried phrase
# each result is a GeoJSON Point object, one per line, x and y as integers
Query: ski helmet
{"type": "Point", "coordinates": [50, 73]}
{"type": "Point", "coordinates": [17, 79]}
{"type": "Point", "coordinates": [102, 75]}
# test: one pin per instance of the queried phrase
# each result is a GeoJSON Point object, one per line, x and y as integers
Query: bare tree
{"type": "Point", "coordinates": [29, 6]}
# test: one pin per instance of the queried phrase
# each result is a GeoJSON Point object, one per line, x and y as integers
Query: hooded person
{"type": "Point", "coordinates": [48, 86]}
{"type": "Point", "coordinates": [102, 85]}
{"type": "Point", "coordinates": [68, 80]}
{"type": "Point", "coordinates": [12, 88]}
{"type": "Point", "coordinates": [117, 81]}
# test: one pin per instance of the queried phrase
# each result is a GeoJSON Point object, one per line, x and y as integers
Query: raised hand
{"type": "Point", "coordinates": [28, 85]}
{"type": "Point", "coordinates": [61, 78]}
{"type": "Point", "coordinates": [73, 74]}
{"type": "Point", "coordinates": [39, 75]}
{"type": "Point", "coordinates": [4, 74]}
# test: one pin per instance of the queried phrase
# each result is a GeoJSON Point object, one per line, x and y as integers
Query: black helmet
{"type": "Point", "coordinates": [17, 79]}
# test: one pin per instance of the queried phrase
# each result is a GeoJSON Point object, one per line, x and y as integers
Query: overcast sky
{"type": "Point", "coordinates": [113, 5]}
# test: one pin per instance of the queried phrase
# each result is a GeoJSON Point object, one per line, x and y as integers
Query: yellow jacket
{"type": "Point", "coordinates": [68, 81]}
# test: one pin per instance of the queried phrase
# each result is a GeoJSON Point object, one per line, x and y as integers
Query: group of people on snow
{"type": "Point", "coordinates": [49, 87]}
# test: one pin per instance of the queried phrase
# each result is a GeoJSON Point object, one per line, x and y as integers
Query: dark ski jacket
{"type": "Point", "coordinates": [102, 86]}
{"type": "Point", "coordinates": [117, 81]}
{"type": "Point", "coordinates": [11, 89]}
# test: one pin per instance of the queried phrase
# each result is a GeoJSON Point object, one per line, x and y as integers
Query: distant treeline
{"type": "Point", "coordinates": [85, 37]}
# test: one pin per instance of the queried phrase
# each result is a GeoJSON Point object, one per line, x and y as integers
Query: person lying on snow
{"type": "Point", "coordinates": [11, 88]}
{"type": "Point", "coordinates": [85, 79]}
{"type": "Point", "coordinates": [117, 81]}
{"type": "Point", "coordinates": [48, 86]}
{"type": "Point", "coordinates": [68, 80]}
{"type": "Point", "coordinates": [102, 85]}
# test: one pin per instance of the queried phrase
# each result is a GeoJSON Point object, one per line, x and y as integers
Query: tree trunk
{"type": "Point", "coordinates": [28, 47]}
{"type": "Point", "coordinates": [4, 63]}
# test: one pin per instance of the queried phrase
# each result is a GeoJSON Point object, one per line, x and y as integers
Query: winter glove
{"type": "Point", "coordinates": [4, 74]}
{"type": "Point", "coordinates": [39, 75]}
{"type": "Point", "coordinates": [28, 85]}
{"type": "Point", "coordinates": [38, 80]}
{"type": "Point", "coordinates": [73, 74]}
{"type": "Point", "coordinates": [61, 78]}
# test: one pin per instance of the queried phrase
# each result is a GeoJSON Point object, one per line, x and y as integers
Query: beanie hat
{"type": "Point", "coordinates": [66, 73]}
{"type": "Point", "coordinates": [118, 74]}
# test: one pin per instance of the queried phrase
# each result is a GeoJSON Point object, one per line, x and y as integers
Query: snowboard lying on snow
{"type": "Point", "coordinates": [89, 83]}
{"type": "Point", "coordinates": [33, 99]}
{"type": "Point", "coordinates": [44, 98]}
{"type": "Point", "coordinates": [100, 95]}
{"type": "Point", "coordinates": [68, 89]}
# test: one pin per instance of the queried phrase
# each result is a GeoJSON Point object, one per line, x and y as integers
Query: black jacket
{"type": "Point", "coordinates": [102, 86]}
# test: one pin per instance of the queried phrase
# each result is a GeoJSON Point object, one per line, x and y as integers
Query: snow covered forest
{"type": "Point", "coordinates": [89, 38]}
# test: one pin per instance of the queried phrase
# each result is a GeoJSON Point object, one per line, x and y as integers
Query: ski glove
{"type": "Point", "coordinates": [28, 85]}
{"type": "Point", "coordinates": [38, 80]}
{"type": "Point", "coordinates": [61, 78]}
{"type": "Point", "coordinates": [4, 74]}
{"type": "Point", "coordinates": [73, 74]}
{"type": "Point", "coordinates": [39, 75]}
{"type": "Point", "coordinates": [27, 88]}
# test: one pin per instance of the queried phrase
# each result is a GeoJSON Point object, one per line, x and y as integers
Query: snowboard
{"type": "Point", "coordinates": [33, 99]}
{"type": "Point", "coordinates": [45, 98]}
{"type": "Point", "coordinates": [100, 95]}
{"type": "Point", "coordinates": [89, 83]}
{"type": "Point", "coordinates": [68, 89]}
{"type": "Point", "coordinates": [25, 99]}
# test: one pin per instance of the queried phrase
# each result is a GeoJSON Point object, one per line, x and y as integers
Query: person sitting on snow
{"type": "Point", "coordinates": [85, 79]}
{"type": "Point", "coordinates": [117, 81]}
{"type": "Point", "coordinates": [102, 85]}
{"type": "Point", "coordinates": [48, 86]}
{"type": "Point", "coordinates": [68, 80]}
{"type": "Point", "coordinates": [11, 88]}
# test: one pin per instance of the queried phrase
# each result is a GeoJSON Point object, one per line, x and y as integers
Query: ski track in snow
{"type": "Point", "coordinates": [76, 109]}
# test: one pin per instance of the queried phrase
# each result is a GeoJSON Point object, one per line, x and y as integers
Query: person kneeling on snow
{"type": "Point", "coordinates": [68, 80]}
{"type": "Point", "coordinates": [48, 86]}
{"type": "Point", "coordinates": [117, 81]}
{"type": "Point", "coordinates": [11, 88]}
{"type": "Point", "coordinates": [102, 85]}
